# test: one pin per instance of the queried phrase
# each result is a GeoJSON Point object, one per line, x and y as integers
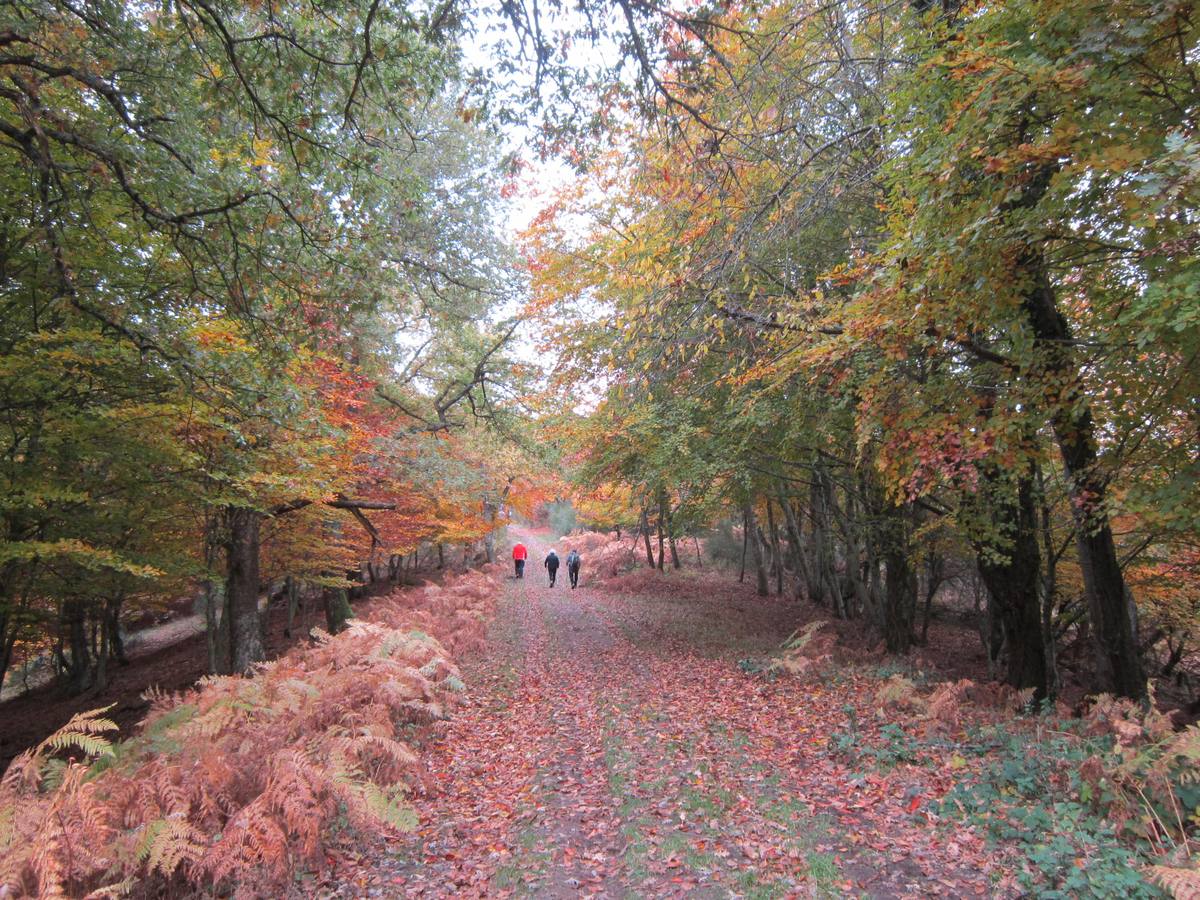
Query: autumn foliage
{"type": "Point", "coordinates": [196, 798]}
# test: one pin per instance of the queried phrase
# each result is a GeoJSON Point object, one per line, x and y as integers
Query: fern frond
{"type": "Point", "coordinates": [82, 731]}
{"type": "Point", "coordinates": [1182, 884]}
{"type": "Point", "coordinates": [120, 889]}
{"type": "Point", "coordinates": [169, 842]}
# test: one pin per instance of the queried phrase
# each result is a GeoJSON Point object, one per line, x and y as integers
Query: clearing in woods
{"type": "Point", "coordinates": [610, 746]}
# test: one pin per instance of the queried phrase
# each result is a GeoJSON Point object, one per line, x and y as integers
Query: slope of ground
{"type": "Point", "coordinates": [168, 657]}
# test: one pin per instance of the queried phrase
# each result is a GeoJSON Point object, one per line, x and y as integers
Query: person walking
{"type": "Point", "coordinates": [551, 565]}
{"type": "Point", "coordinates": [573, 563]}
{"type": "Point", "coordinates": [520, 554]}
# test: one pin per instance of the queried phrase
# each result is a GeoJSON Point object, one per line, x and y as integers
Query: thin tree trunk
{"type": "Point", "coordinates": [795, 543]}
{"type": "Point", "coordinates": [441, 556]}
{"type": "Point", "coordinates": [489, 539]}
{"type": "Point", "coordinates": [112, 625]}
{"type": "Point", "coordinates": [745, 544]}
{"type": "Point", "coordinates": [662, 522]}
{"type": "Point", "coordinates": [1049, 585]}
{"type": "Point", "coordinates": [773, 528]}
{"type": "Point", "coordinates": [7, 642]}
{"type": "Point", "coordinates": [292, 591]}
{"type": "Point", "coordinates": [646, 538]}
{"type": "Point", "coordinates": [933, 580]}
{"type": "Point", "coordinates": [756, 552]}
{"type": "Point", "coordinates": [102, 657]}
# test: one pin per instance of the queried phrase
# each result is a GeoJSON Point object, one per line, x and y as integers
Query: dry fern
{"type": "Point", "coordinates": [195, 794]}
{"type": "Point", "coordinates": [1182, 884]}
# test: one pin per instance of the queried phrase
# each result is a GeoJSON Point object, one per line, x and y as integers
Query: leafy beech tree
{"type": "Point", "coordinates": [1037, 228]}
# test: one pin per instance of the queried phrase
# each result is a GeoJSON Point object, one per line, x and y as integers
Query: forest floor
{"type": "Point", "coordinates": [610, 745]}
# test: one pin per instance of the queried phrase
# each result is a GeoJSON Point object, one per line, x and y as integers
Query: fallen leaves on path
{"type": "Point", "coordinates": [605, 749]}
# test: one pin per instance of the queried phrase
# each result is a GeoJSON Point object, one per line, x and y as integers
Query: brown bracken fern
{"type": "Point", "coordinates": [234, 783]}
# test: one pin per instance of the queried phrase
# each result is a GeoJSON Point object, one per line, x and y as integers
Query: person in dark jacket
{"type": "Point", "coordinates": [551, 565]}
{"type": "Point", "coordinates": [573, 563]}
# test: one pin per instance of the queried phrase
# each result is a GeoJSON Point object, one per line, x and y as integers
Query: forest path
{"type": "Point", "coordinates": [610, 746]}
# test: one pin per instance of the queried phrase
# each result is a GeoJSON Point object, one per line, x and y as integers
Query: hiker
{"type": "Point", "coordinates": [519, 556]}
{"type": "Point", "coordinates": [573, 561]}
{"type": "Point", "coordinates": [551, 565]}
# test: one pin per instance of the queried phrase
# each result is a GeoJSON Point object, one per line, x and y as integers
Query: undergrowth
{"type": "Point", "coordinates": [238, 782]}
{"type": "Point", "coordinates": [1103, 806]}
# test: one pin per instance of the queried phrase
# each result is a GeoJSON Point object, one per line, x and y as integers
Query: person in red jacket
{"type": "Point", "coordinates": [519, 556]}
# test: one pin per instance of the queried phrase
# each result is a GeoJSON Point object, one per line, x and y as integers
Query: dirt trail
{"type": "Point", "coordinates": [611, 747]}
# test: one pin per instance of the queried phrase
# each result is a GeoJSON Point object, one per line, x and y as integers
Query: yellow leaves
{"type": "Point", "coordinates": [221, 336]}
{"type": "Point", "coordinates": [260, 152]}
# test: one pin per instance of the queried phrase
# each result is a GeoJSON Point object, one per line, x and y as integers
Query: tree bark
{"type": "Point", "coordinates": [900, 584]}
{"type": "Point", "coordinates": [646, 538]}
{"type": "Point", "coordinates": [79, 668]}
{"type": "Point", "coordinates": [241, 590]}
{"type": "Point", "coordinates": [112, 626]}
{"type": "Point", "coordinates": [662, 522]}
{"type": "Point", "coordinates": [776, 551]}
{"type": "Point", "coordinates": [745, 545]}
{"type": "Point", "coordinates": [762, 586]}
{"type": "Point", "coordinates": [489, 540]}
{"type": "Point", "coordinates": [1118, 667]}
{"type": "Point", "coordinates": [337, 609]}
{"type": "Point", "coordinates": [1011, 569]}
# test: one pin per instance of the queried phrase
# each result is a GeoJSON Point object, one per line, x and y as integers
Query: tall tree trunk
{"type": "Point", "coordinates": [662, 522]}
{"type": "Point", "coordinates": [1011, 568]}
{"type": "Point", "coordinates": [216, 622]}
{"type": "Point", "coordinates": [900, 583]}
{"type": "Point", "coordinates": [489, 539]}
{"type": "Point", "coordinates": [103, 654]}
{"type": "Point", "coordinates": [441, 556]}
{"type": "Point", "coordinates": [1118, 666]}
{"type": "Point", "coordinates": [824, 562]}
{"type": "Point", "coordinates": [934, 565]}
{"type": "Point", "coordinates": [795, 543]}
{"type": "Point", "coordinates": [7, 642]}
{"type": "Point", "coordinates": [776, 551]}
{"type": "Point", "coordinates": [745, 544]}
{"type": "Point", "coordinates": [79, 667]}
{"type": "Point", "coordinates": [762, 586]}
{"type": "Point", "coordinates": [241, 590]}
{"type": "Point", "coordinates": [112, 626]}
{"type": "Point", "coordinates": [646, 538]}
{"type": "Point", "coordinates": [675, 564]}
{"type": "Point", "coordinates": [291, 589]}
{"type": "Point", "coordinates": [1049, 584]}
